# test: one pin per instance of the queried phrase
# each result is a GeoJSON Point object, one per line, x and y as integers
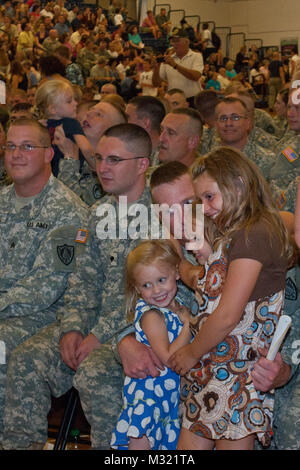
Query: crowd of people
{"type": "Point", "coordinates": [165, 340]}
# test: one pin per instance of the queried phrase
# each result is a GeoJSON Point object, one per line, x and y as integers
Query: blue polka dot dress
{"type": "Point", "coordinates": [150, 405]}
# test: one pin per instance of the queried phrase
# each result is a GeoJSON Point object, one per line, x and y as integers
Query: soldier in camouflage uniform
{"type": "Point", "coordinates": [81, 340]}
{"type": "Point", "coordinates": [282, 126]}
{"type": "Point", "coordinates": [84, 181]}
{"type": "Point", "coordinates": [285, 199]}
{"type": "Point", "coordinates": [265, 121]}
{"type": "Point", "coordinates": [208, 140]}
{"type": "Point", "coordinates": [147, 112]}
{"type": "Point", "coordinates": [205, 103]}
{"type": "Point", "coordinates": [180, 135]}
{"type": "Point", "coordinates": [233, 125]}
{"type": "Point", "coordinates": [280, 108]}
{"type": "Point", "coordinates": [87, 57]}
{"type": "Point", "coordinates": [283, 373]}
{"type": "Point", "coordinates": [287, 398]}
{"type": "Point", "coordinates": [261, 117]}
{"type": "Point", "coordinates": [39, 220]}
{"type": "Point", "coordinates": [257, 138]}
{"type": "Point", "coordinates": [287, 164]}
{"type": "Point", "coordinates": [256, 134]}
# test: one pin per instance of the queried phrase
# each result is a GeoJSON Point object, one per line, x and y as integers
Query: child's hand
{"type": "Point", "coordinates": [183, 360]}
{"type": "Point", "coordinates": [184, 314]}
{"type": "Point", "coordinates": [66, 146]}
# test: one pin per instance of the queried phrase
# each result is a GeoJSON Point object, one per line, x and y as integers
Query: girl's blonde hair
{"type": "Point", "coordinates": [146, 253]}
{"type": "Point", "coordinates": [246, 195]}
{"type": "Point", "coordinates": [50, 93]}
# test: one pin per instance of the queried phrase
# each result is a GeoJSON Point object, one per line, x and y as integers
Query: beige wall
{"type": "Point", "coordinates": [270, 20]}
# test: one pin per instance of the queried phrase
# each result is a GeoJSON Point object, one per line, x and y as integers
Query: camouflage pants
{"type": "Point", "coordinates": [13, 331]}
{"type": "Point", "coordinates": [287, 416]}
{"type": "Point", "coordinates": [36, 371]}
{"type": "Point", "coordinates": [99, 381]}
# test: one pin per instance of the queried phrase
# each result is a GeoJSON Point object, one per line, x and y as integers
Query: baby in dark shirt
{"type": "Point", "coordinates": [55, 100]}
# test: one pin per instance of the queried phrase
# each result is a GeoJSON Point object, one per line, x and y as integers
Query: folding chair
{"type": "Point", "coordinates": [67, 420]}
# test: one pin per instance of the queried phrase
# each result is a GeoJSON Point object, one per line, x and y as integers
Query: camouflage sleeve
{"type": "Point", "coordinates": [266, 162]}
{"type": "Point", "coordinates": [74, 74]}
{"type": "Point", "coordinates": [291, 346]}
{"type": "Point", "coordinates": [69, 174]}
{"type": "Point", "coordinates": [113, 311]}
{"type": "Point", "coordinates": [113, 315]}
{"type": "Point", "coordinates": [82, 299]}
{"type": "Point", "coordinates": [46, 281]}
{"type": "Point", "coordinates": [285, 197]}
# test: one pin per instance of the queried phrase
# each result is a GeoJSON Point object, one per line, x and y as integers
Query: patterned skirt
{"type": "Point", "coordinates": [218, 398]}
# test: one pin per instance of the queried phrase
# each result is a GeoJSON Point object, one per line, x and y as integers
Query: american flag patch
{"type": "Point", "coordinates": [290, 154]}
{"type": "Point", "coordinates": [81, 236]}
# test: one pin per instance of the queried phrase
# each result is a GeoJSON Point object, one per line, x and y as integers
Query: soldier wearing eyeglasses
{"type": "Point", "coordinates": [233, 125]}
{"type": "Point", "coordinates": [78, 349]}
{"type": "Point", "coordinates": [39, 221]}
{"type": "Point", "coordinates": [84, 181]}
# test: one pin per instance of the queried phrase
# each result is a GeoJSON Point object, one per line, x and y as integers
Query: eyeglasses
{"type": "Point", "coordinates": [113, 160]}
{"type": "Point", "coordinates": [232, 117]}
{"type": "Point", "coordinates": [23, 147]}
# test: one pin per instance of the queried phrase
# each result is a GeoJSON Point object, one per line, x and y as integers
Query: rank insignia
{"type": "Point", "coordinates": [81, 236]}
{"type": "Point", "coordinates": [65, 254]}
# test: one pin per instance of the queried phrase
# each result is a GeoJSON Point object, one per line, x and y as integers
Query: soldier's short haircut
{"type": "Point", "coordinates": [45, 138]}
{"type": "Point", "coordinates": [206, 102]}
{"type": "Point", "coordinates": [21, 107]}
{"type": "Point", "coordinates": [167, 173]}
{"type": "Point", "coordinates": [118, 107]}
{"type": "Point", "coordinates": [246, 97]}
{"type": "Point", "coordinates": [149, 106]}
{"type": "Point", "coordinates": [284, 95]}
{"type": "Point", "coordinates": [196, 125]}
{"type": "Point", "coordinates": [173, 91]}
{"type": "Point", "coordinates": [136, 139]}
{"type": "Point", "coordinates": [231, 100]}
